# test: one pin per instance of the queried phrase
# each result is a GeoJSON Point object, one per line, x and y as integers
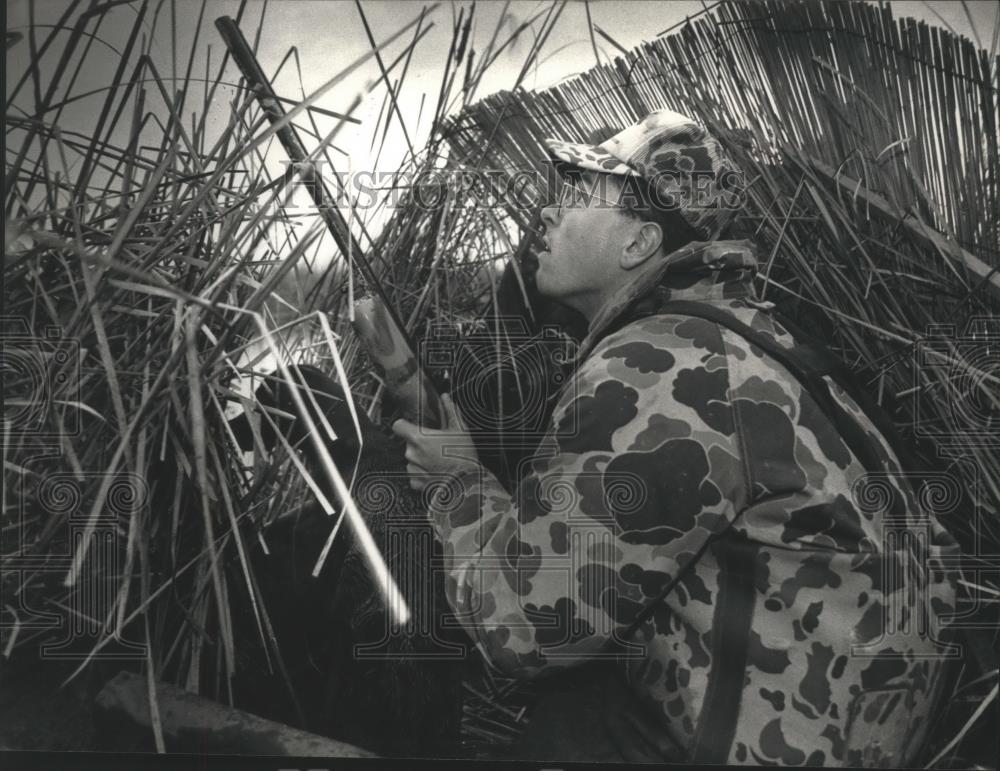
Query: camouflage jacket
{"type": "Point", "coordinates": [826, 598]}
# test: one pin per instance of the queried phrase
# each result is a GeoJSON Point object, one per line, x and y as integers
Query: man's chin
{"type": "Point", "coordinates": [542, 285]}
{"type": "Point", "coordinates": [543, 272]}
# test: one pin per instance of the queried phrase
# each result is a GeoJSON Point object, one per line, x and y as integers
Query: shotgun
{"type": "Point", "coordinates": [375, 321]}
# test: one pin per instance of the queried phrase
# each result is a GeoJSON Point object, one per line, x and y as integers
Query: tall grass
{"type": "Point", "coordinates": [154, 264]}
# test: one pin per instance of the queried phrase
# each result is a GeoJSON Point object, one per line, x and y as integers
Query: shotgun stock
{"type": "Point", "coordinates": [389, 349]}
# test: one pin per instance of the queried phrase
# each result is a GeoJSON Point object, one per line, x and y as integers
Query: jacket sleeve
{"type": "Point", "coordinates": [628, 482]}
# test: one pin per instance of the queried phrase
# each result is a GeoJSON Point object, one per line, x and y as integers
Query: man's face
{"type": "Point", "coordinates": [584, 238]}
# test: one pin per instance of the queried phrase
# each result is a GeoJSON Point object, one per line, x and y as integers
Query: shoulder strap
{"type": "Point", "coordinates": [807, 363]}
{"type": "Point", "coordinates": [650, 607]}
{"type": "Point", "coordinates": [810, 364]}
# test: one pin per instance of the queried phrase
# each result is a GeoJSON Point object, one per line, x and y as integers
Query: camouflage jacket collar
{"type": "Point", "coordinates": [701, 271]}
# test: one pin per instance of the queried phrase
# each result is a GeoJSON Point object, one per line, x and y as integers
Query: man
{"type": "Point", "coordinates": [799, 621]}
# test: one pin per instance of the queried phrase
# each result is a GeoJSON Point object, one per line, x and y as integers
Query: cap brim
{"type": "Point", "coordinates": [587, 157]}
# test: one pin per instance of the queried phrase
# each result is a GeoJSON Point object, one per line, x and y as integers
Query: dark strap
{"type": "Point", "coordinates": [730, 631]}
{"type": "Point", "coordinates": [808, 364]}
{"type": "Point", "coordinates": [731, 623]}
{"type": "Point", "coordinates": [734, 608]}
{"type": "Point", "coordinates": [734, 612]}
{"type": "Point", "coordinates": [647, 611]}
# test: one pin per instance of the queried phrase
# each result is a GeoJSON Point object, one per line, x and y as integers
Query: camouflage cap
{"type": "Point", "coordinates": [685, 167]}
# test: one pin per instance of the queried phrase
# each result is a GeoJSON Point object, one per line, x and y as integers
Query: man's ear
{"type": "Point", "coordinates": [645, 243]}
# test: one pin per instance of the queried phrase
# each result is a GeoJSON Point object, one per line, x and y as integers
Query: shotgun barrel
{"type": "Point", "coordinates": [381, 329]}
{"type": "Point", "coordinates": [243, 55]}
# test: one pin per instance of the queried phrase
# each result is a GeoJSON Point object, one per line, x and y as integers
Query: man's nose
{"type": "Point", "coordinates": [550, 216]}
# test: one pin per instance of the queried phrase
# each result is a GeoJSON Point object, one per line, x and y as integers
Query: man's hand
{"type": "Point", "coordinates": [425, 447]}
